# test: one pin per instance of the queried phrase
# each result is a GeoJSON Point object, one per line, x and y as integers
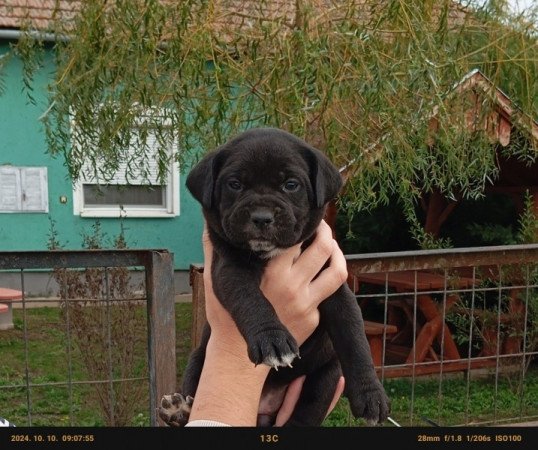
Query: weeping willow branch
{"type": "Point", "coordinates": [357, 78]}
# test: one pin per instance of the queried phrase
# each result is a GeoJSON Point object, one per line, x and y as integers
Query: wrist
{"type": "Point", "coordinates": [230, 385]}
{"type": "Point", "coordinates": [229, 353]}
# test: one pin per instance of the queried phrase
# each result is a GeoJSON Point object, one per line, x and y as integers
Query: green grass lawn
{"type": "Point", "coordinates": [57, 405]}
{"type": "Point", "coordinates": [452, 405]}
{"type": "Point", "coordinates": [47, 350]}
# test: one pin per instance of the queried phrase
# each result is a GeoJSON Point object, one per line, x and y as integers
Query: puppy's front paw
{"type": "Point", "coordinates": [275, 348]}
{"type": "Point", "coordinates": [370, 402]}
{"type": "Point", "coordinates": [175, 409]}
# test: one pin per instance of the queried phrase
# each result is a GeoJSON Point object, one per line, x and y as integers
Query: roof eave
{"type": "Point", "coordinates": [16, 34]}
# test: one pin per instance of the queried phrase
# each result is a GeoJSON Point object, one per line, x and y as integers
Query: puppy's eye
{"type": "Point", "coordinates": [291, 186]}
{"type": "Point", "coordinates": [235, 185]}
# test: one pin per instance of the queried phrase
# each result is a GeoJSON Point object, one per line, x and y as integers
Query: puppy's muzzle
{"type": "Point", "coordinates": [262, 218]}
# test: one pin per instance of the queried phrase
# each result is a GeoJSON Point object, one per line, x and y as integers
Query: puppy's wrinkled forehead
{"type": "Point", "coordinates": [265, 156]}
{"type": "Point", "coordinates": [264, 162]}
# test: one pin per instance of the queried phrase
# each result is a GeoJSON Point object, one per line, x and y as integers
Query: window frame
{"type": "Point", "coordinates": [170, 209]}
{"type": "Point", "coordinates": [171, 186]}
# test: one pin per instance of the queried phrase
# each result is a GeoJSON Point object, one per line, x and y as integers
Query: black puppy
{"type": "Point", "coordinates": [262, 192]}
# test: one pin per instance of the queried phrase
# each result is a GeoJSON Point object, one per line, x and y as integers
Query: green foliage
{"type": "Point", "coordinates": [359, 80]}
{"type": "Point", "coordinates": [495, 303]}
{"type": "Point", "coordinates": [493, 233]}
{"type": "Point", "coordinates": [524, 231]}
{"type": "Point", "coordinates": [528, 222]}
{"type": "Point", "coordinates": [30, 51]}
{"type": "Point", "coordinates": [100, 308]}
{"type": "Point", "coordinates": [4, 58]}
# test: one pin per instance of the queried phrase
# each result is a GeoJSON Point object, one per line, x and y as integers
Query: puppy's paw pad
{"type": "Point", "coordinates": [275, 348]}
{"type": "Point", "coordinates": [175, 409]}
{"type": "Point", "coordinates": [371, 403]}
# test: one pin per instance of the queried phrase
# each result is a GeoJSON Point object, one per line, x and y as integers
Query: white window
{"type": "Point", "coordinates": [23, 189]}
{"type": "Point", "coordinates": [134, 190]}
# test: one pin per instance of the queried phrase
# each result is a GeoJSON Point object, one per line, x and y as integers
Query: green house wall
{"type": "Point", "coordinates": [22, 143]}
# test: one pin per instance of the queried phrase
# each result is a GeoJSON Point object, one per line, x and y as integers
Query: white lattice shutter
{"type": "Point", "coordinates": [129, 171]}
{"type": "Point", "coordinates": [10, 189]}
{"type": "Point", "coordinates": [34, 189]}
{"type": "Point", "coordinates": [134, 175]}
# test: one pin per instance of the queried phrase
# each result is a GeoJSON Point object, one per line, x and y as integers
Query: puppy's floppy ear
{"type": "Point", "coordinates": [324, 176]}
{"type": "Point", "coordinates": [202, 177]}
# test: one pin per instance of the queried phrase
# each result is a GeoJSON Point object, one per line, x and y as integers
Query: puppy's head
{"type": "Point", "coordinates": [264, 190]}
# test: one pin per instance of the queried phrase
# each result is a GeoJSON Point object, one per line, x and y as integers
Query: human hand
{"type": "Point", "coordinates": [293, 282]}
{"type": "Point", "coordinates": [220, 320]}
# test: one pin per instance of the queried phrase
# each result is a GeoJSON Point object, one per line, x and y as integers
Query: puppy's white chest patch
{"type": "Point", "coordinates": [276, 251]}
{"type": "Point", "coordinates": [267, 248]}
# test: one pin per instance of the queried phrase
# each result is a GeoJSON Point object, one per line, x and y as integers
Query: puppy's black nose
{"type": "Point", "coordinates": [262, 218]}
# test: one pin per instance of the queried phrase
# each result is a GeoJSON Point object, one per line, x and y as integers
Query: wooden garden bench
{"type": "Point", "coordinates": [374, 333]}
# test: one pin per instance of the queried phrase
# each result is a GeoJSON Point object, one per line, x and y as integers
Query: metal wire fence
{"type": "Point", "coordinates": [112, 342]}
{"type": "Point", "coordinates": [440, 323]}
{"type": "Point", "coordinates": [453, 333]}
{"type": "Point", "coordinates": [458, 313]}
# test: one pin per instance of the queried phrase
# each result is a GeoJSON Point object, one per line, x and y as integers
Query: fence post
{"type": "Point", "coordinates": [161, 329]}
{"type": "Point", "coordinates": [198, 303]}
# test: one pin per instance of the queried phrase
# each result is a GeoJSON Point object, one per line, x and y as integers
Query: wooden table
{"type": "Point", "coordinates": [421, 284]}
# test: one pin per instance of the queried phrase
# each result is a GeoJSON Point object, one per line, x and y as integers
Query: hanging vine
{"type": "Point", "coordinates": [357, 78]}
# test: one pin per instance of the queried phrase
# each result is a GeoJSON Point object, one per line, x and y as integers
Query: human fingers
{"type": "Point", "coordinates": [332, 277]}
{"type": "Point", "coordinates": [282, 263]}
{"type": "Point", "coordinates": [301, 268]}
{"type": "Point", "coordinates": [207, 247]}
{"type": "Point", "coordinates": [290, 400]}
{"type": "Point", "coordinates": [215, 313]}
{"type": "Point", "coordinates": [310, 262]}
{"type": "Point", "coordinates": [337, 394]}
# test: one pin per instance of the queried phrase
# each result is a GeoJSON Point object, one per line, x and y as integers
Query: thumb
{"type": "Point", "coordinates": [208, 252]}
{"type": "Point", "coordinates": [206, 242]}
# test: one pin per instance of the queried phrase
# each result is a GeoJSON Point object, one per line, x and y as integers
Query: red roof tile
{"type": "Point", "coordinates": [230, 16]}
{"type": "Point", "coordinates": [38, 14]}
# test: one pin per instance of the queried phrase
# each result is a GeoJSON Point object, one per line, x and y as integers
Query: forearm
{"type": "Point", "coordinates": [230, 385]}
